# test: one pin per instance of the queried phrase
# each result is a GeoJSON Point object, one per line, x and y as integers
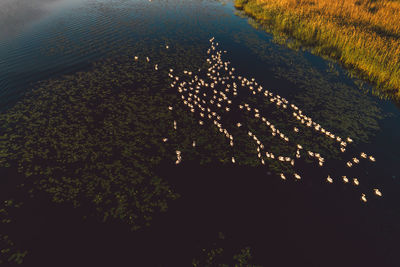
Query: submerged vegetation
{"type": "Point", "coordinates": [9, 252]}
{"type": "Point", "coordinates": [218, 254]}
{"type": "Point", "coordinates": [95, 138]}
{"type": "Point", "coordinates": [361, 34]}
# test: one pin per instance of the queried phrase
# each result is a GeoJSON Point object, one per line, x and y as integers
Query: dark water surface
{"type": "Point", "coordinates": [286, 223]}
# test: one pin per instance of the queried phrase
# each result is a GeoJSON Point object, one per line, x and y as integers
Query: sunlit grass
{"type": "Point", "coordinates": [362, 35]}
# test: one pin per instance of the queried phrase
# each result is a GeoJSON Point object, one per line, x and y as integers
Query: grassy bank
{"type": "Point", "coordinates": [364, 35]}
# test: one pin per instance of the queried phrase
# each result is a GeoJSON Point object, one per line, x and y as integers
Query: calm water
{"type": "Point", "coordinates": [306, 224]}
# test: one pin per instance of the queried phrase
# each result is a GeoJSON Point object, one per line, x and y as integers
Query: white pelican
{"type": "Point", "coordinates": [329, 179]}
{"type": "Point", "coordinates": [363, 198]}
{"type": "Point", "coordinates": [377, 192]}
{"type": "Point", "coordinates": [349, 164]}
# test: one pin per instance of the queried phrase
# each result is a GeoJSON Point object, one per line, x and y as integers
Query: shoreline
{"type": "Point", "coordinates": [373, 56]}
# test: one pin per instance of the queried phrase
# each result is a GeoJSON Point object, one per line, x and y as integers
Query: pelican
{"type": "Point", "coordinates": [377, 192]}
{"type": "Point", "coordinates": [371, 158]}
{"type": "Point", "coordinates": [349, 164]}
{"type": "Point", "coordinates": [233, 160]}
{"type": "Point", "coordinates": [363, 198]}
{"type": "Point", "coordinates": [355, 181]}
{"type": "Point", "coordinates": [136, 57]}
{"type": "Point", "coordinates": [165, 140]}
{"type": "Point", "coordinates": [345, 179]}
{"type": "Point", "coordinates": [283, 176]}
{"type": "Point", "coordinates": [297, 176]}
{"type": "Point", "coordinates": [363, 155]}
{"type": "Point", "coordinates": [329, 179]}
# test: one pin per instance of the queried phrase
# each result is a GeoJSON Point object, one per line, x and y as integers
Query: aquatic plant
{"type": "Point", "coordinates": [216, 254]}
{"type": "Point", "coordinates": [94, 138]}
{"type": "Point", "coordinates": [9, 252]}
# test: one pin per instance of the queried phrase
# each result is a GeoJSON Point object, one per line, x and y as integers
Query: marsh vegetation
{"type": "Point", "coordinates": [362, 35]}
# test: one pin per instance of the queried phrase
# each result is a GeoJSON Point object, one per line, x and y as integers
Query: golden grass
{"type": "Point", "coordinates": [362, 34]}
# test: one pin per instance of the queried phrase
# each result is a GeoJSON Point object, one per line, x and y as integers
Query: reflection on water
{"type": "Point", "coordinates": [103, 139]}
{"type": "Point", "coordinates": [18, 15]}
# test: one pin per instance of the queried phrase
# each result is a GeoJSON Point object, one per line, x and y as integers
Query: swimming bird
{"type": "Point", "coordinates": [377, 192]}
{"type": "Point", "coordinates": [363, 198]}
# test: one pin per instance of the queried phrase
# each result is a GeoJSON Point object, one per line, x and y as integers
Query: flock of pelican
{"type": "Point", "coordinates": [211, 96]}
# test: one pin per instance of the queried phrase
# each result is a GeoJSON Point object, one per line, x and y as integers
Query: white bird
{"type": "Point", "coordinates": [345, 179]}
{"type": "Point", "coordinates": [377, 192]}
{"type": "Point", "coordinates": [363, 198]}
{"type": "Point", "coordinates": [349, 164]}
{"type": "Point", "coordinates": [329, 179]}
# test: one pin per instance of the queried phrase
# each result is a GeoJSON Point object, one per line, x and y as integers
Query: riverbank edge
{"type": "Point", "coordinates": [284, 29]}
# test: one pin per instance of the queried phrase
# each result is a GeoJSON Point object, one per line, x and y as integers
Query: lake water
{"type": "Point", "coordinates": [286, 223]}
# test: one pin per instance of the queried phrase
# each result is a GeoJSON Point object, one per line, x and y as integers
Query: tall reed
{"type": "Point", "coordinates": [364, 35]}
